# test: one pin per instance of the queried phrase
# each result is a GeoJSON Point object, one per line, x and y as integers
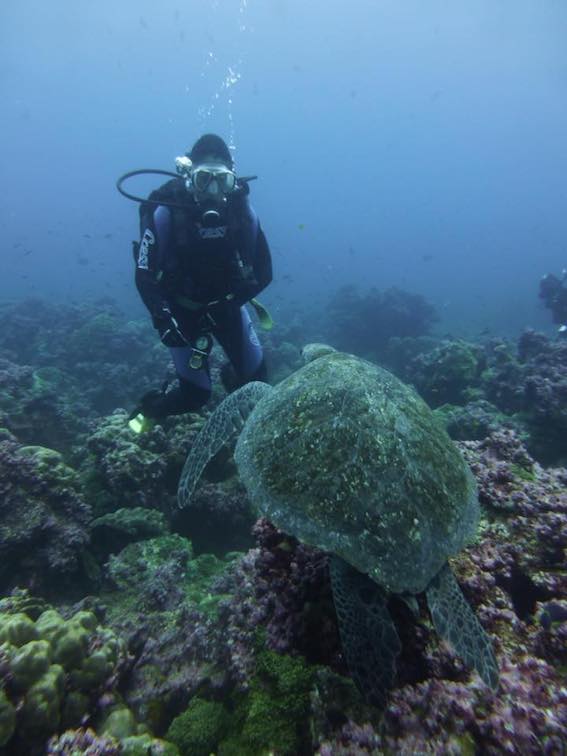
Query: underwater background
{"type": "Point", "coordinates": [412, 186]}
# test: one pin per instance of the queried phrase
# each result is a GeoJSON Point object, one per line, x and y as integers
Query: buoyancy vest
{"type": "Point", "coordinates": [200, 264]}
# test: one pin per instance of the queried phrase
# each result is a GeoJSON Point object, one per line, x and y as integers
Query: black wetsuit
{"type": "Point", "coordinates": [189, 270]}
{"type": "Point", "coordinates": [553, 291]}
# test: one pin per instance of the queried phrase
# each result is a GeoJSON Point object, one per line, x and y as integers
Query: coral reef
{"type": "Point", "coordinates": [94, 345]}
{"type": "Point", "coordinates": [240, 653]}
{"type": "Point", "coordinates": [112, 532]}
{"type": "Point", "coordinates": [282, 586]}
{"type": "Point", "coordinates": [122, 469]}
{"type": "Point", "coordinates": [272, 716]}
{"type": "Point", "coordinates": [447, 373]}
{"type": "Point", "coordinates": [525, 383]}
{"type": "Point", "coordinates": [152, 571]}
{"type": "Point", "coordinates": [516, 563]}
{"type": "Point", "coordinates": [53, 672]}
{"type": "Point", "coordinates": [165, 605]}
{"type": "Point", "coordinates": [200, 728]}
{"type": "Point", "coordinates": [86, 742]}
{"type": "Point", "coordinates": [362, 324]}
{"type": "Point", "coordinates": [219, 520]}
{"type": "Point", "coordinates": [475, 420]}
{"type": "Point", "coordinates": [43, 519]}
{"type": "Point", "coordinates": [40, 406]}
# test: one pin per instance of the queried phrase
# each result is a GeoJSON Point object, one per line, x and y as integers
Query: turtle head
{"type": "Point", "coordinates": [311, 352]}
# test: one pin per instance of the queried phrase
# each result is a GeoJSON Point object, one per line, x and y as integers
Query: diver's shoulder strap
{"type": "Point", "coordinates": [171, 191]}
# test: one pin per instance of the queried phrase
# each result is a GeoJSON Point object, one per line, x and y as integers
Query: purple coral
{"type": "Point", "coordinates": [282, 586]}
{"type": "Point", "coordinates": [83, 741]}
{"type": "Point", "coordinates": [532, 540]}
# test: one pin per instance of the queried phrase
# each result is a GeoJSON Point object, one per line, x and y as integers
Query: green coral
{"type": "Point", "coordinates": [448, 373]}
{"type": "Point", "coordinates": [138, 562]}
{"type": "Point", "coordinates": [523, 473]}
{"type": "Point", "coordinates": [198, 731]}
{"type": "Point", "coordinates": [139, 566]}
{"type": "Point", "coordinates": [7, 719]}
{"type": "Point", "coordinates": [112, 532]}
{"type": "Point", "coordinates": [70, 645]}
{"type": "Point", "coordinates": [30, 662]}
{"type": "Point", "coordinates": [41, 710]}
{"type": "Point", "coordinates": [271, 717]}
{"type": "Point", "coordinates": [120, 723]}
{"type": "Point", "coordinates": [145, 745]}
{"type": "Point", "coordinates": [56, 667]}
{"type": "Point", "coordinates": [278, 704]}
{"type": "Point", "coordinates": [51, 462]}
{"type": "Point", "coordinates": [200, 573]}
{"type": "Point", "coordinates": [17, 629]}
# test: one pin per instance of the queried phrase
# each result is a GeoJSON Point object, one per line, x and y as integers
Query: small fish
{"type": "Point", "coordinates": [107, 236]}
{"type": "Point", "coordinates": [27, 252]}
{"type": "Point", "coordinates": [427, 258]}
{"type": "Point", "coordinates": [301, 226]}
{"type": "Point", "coordinates": [87, 236]}
{"type": "Point", "coordinates": [552, 613]}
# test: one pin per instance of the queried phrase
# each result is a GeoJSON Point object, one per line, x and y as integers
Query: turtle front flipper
{"type": "Point", "coordinates": [368, 635]}
{"type": "Point", "coordinates": [223, 425]}
{"type": "Point", "coordinates": [455, 621]}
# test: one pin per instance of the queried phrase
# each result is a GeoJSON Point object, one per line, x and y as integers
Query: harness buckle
{"type": "Point", "coordinates": [200, 352]}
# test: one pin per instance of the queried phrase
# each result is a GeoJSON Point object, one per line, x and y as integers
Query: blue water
{"type": "Point", "coordinates": [410, 144]}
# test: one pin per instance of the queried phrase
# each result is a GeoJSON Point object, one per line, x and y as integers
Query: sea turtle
{"type": "Point", "coordinates": [345, 457]}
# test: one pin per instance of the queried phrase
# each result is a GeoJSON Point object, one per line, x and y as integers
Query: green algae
{"type": "Point", "coordinates": [270, 717]}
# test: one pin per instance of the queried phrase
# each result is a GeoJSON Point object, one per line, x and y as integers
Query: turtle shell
{"type": "Point", "coordinates": [344, 456]}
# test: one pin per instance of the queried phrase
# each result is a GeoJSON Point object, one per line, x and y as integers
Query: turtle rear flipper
{"type": "Point", "coordinates": [368, 634]}
{"type": "Point", "coordinates": [223, 425]}
{"type": "Point", "coordinates": [455, 621]}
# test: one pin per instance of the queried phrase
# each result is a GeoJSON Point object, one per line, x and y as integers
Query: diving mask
{"type": "Point", "coordinates": [211, 179]}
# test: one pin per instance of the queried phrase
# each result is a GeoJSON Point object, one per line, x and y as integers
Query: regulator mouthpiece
{"type": "Point", "coordinates": [211, 218]}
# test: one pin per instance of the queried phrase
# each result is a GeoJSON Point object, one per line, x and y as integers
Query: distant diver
{"type": "Point", "coordinates": [553, 291]}
{"type": "Point", "coordinates": [201, 257]}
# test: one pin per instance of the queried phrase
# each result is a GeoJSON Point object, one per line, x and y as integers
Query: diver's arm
{"type": "Point", "coordinates": [262, 262]}
{"type": "Point", "coordinates": [149, 291]}
{"type": "Point", "coordinates": [256, 276]}
{"type": "Point", "coordinates": [148, 271]}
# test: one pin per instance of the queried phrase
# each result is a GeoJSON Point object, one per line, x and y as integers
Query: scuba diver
{"type": "Point", "coordinates": [553, 291]}
{"type": "Point", "coordinates": [202, 256]}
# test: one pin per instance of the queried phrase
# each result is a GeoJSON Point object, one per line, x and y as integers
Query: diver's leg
{"type": "Point", "coordinates": [237, 336]}
{"type": "Point", "coordinates": [455, 621]}
{"type": "Point", "coordinates": [368, 634]}
{"type": "Point", "coordinates": [191, 393]}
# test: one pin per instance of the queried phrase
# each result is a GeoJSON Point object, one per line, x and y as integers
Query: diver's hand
{"type": "Point", "coordinates": [169, 331]}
